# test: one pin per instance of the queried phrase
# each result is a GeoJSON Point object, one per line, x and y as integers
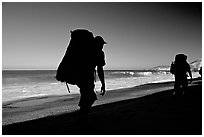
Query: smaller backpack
{"type": "Point", "coordinates": [179, 66]}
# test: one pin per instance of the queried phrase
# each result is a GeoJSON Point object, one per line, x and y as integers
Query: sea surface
{"type": "Point", "coordinates": [19, 84]}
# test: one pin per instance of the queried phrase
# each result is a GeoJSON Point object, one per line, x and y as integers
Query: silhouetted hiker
{"type": "Point", "coordinates": [86, 86]}
{"type": "Point", "coordinates": [77, 67]}
{"type": "Point", "coordinates": [180, 68]}
{"type": "Point", "coordinates": [99, 43]}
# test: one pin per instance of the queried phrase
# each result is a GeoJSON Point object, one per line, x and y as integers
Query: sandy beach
{"type": "Point", "coordinates": [149, 109]}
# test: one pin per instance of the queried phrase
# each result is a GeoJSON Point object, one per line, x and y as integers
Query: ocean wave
{"type": "Point", "coordinates": [24, 90]}
{"type": "Point", "coordinates": [113, 80]}
{"type": "Point", "coordinates": [165, 80]}
{"type": "Point", "coordinates": [124, 72]}
{"type": "Point", "coordinates": [29, 96]}
{"type": "Point", "coordinates": [144, 73]}
{"type": "Point", "coordinates": [60, 88]}
{"type": "Point", "coordinates": [56, 83]}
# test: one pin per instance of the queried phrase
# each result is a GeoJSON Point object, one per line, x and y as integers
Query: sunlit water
{"type": "Point", "coordinates": [24, 84]}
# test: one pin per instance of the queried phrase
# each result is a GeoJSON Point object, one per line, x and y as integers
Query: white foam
{"type": "Point", "coordinates": [24, 90]}
{"type": "Point", "coordinates": [144, 73]}
{"type": "Point", "coordinates": [29, 96]}
{"type": "Point", "coordinates": [56, 83]}
{"type": "Point", "coordinates": [160, 81]}
{"type": "Point", "coordinates": [14, 92]}
{"type": "Point", "coordinates": [124, 72]}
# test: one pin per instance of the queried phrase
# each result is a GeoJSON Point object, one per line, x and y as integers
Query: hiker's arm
{"type": "Point", "coordinates": [101, 77]}
{"type": "Point", "coordinates": [190, 74]}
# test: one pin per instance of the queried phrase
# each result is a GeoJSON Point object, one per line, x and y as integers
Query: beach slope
{"type": "Point", "coordinates": [160, 113]}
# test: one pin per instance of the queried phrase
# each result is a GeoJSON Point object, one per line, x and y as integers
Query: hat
{"type": "Point", "coordinates": [100, 39]}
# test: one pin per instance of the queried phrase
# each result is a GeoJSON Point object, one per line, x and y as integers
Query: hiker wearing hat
{"type": "Point", "coordinates": [88, 95]}
{"type": "Point", "coordinates": [99, 41]}
{"type": "Point", "coordinates": [78, 66]}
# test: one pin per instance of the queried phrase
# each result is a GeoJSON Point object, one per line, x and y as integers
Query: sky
{"type": "Point", "coordinates": [35, 35]}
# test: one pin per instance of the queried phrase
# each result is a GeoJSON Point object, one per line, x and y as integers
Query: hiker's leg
{"type": "Point", "coordinates": [176, 86]}
{"type": "Point", "coordinates": [83, 112]}
{"type": "Point", "coordinates": [88, 97]}
{"type": "Point", "coordinates": [184, 85]}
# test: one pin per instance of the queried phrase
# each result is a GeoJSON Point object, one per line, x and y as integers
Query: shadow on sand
{"type": "Point", "coordinates": [157, 114]}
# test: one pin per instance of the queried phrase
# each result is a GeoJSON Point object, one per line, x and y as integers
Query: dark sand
{"type": "Point", "coordinates": [120, 112]}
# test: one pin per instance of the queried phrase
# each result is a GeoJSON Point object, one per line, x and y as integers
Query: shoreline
{"type": "Point", "coordinates": [38, 107]}
{"type": "Point", "coordinates": [65, 94]}
{"type": "Point", "coordinates": [22, 87]}
{"type": "Point", "coordinates": [49, 89]}
{"type": "Point", "coordinates": [159, 113]}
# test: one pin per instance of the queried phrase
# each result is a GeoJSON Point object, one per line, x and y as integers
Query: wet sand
{"type": "Point", "coordinates": [149, 109]}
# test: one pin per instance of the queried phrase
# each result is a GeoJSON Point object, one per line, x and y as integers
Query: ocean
{"type": "Point", "coordinates": [19, 84]}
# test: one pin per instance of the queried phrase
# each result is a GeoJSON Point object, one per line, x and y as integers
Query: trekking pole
{"type": "Point", "coordinates": [67, 87]}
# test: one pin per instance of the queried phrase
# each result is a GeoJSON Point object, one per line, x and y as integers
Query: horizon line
{"type": "Point", "coordinates": [56, 69]}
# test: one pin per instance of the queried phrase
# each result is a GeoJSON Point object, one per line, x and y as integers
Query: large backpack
{"type": "Point", "coordinates": [79, 51]}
